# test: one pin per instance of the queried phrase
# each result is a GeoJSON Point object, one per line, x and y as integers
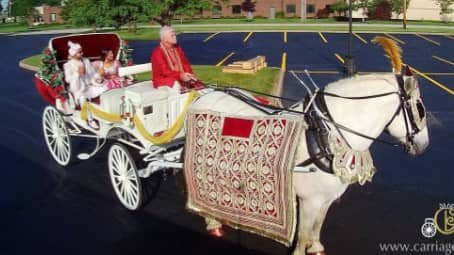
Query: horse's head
{"type": "Point", "coordinates": [409, 123]}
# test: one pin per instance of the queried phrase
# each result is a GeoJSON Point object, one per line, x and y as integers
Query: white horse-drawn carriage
{"type": "Point", "coordinates": [138, 117]}
{"type": "Point", "coordinates": [318, 146]}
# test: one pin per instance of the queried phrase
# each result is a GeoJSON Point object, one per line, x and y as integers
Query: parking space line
{"type": "Point", "coordinates": [323, 37]}
{"type": "Point", "coordinates": [443, 87]}
{"type": "Point", "coordinates": [339, 58]}
{"type": "Point", "coordinates": [285, 37]}
{"type": "Point", "coordinates": [449, 36]}
{"type": "Point", "coordinates": [225, 59]}
{"type": "Point", "coordinates": [284, 61]}
{"type": "Point", "coordinates": [248, 36]}
{"type": "Point", "coordinates": [211, 36]}
{"type": "Point", "coordinates": [360, 38]}
{"type": "Point", "coordinates": [428, 39]}
{"type": "Point", "coordinates": [394, 38]}
{"type": "Point", "coordinates": [443, 60]}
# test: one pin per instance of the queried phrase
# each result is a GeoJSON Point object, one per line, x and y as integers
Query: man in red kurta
{"type": "Point", "coordinates": [170, 66]}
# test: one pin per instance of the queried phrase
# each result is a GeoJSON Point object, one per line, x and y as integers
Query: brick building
{"type": "Point", "coordinates": [46, 14]}
{"type": "Point", "coordinates": [270, 8]}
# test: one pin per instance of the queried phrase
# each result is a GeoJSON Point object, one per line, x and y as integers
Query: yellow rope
{"type": "Point", "coordinates": [98, 113]}
{"type": "Point", "coordinates": [165, 137]}
{"type": "Point", "coordinates": [170, 133]}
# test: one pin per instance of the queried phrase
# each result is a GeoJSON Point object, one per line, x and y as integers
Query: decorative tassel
{"type": "Point", "coordinates": [392, 50]}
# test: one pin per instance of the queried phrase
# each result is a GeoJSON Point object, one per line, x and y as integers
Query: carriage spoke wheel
{"type": "Point", "coordinates": [124, 178]}
{"type": "Point", "coordinates": [56, 134]}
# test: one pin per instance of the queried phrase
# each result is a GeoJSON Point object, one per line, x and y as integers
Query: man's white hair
{"type": "Point", "coordinates": [164, 30]}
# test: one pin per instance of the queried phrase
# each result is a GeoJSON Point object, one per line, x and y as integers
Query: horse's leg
{"type": "Point", "coordinates": [214, 227]}
{"type": "Point", "coordinates": [308, 214]}
{"type": "Point", "coordinates": [316, 246]}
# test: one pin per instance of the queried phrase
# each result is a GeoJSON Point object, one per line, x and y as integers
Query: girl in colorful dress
{"type": "Point", "coordinates": [108, 69]}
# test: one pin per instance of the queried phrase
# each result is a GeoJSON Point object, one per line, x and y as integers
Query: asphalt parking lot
{"type": "Point", "coordinates": [73, 211]}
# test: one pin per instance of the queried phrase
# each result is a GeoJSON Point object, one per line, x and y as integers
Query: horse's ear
{"type": "Point", "coordinates": [408, 71]}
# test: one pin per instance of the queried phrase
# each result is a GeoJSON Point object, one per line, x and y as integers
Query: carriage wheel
{"type": "Point", "coordinates": [56, 135]}
{"type": "Point", "coordinates": [124, 177]}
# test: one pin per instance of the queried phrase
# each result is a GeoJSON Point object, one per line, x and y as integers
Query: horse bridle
{"type": "Point", "coordinates": [411, 126]}
{"type": "Point", "coordinates": [404, 105]}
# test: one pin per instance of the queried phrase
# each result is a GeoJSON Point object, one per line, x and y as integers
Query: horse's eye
{"type": "Point", "coordinates": [421, 110]}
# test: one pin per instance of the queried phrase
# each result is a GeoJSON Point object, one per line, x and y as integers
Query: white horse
{"type": "Point", "coordinates": [362, 108]}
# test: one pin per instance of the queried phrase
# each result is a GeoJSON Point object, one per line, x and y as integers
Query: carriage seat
{"type": "Point", "coordinates": [110, 100]}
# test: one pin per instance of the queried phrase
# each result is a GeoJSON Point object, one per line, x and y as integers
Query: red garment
{"type": "Point", "coordinates": [163, 75]}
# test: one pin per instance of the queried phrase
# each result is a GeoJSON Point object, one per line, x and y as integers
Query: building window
{"type": "Point", "coordinates": [291, 8]}
{"type": "Point", "coordinates": [53, 17]}
{"type": "Point", "coordinates": [217, 9]}
{"type": "Point", "coordinates": [310, 8]}
{"type": "Point", "coordinates": [236, 9]}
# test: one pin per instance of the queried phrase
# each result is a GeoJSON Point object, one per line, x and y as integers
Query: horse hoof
{"type": "Point", "coordinates": [216, 232]}
{"type": "Point", "coordinates": [316, 253]}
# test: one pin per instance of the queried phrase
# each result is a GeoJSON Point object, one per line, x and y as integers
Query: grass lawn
{"type": "Point", "coordinates": [18, 27]}
{"type": "Point", "coordinates": [140, 34]}
{"type": "Point", "coordinates": [33, 60]}
{"type": "Point", "coordinates": [258, 24]}
{"type": "Point", "coordinates": [260, 20]}
{"type": "Point", "coordinates": [12, 27]}
{"type": "Point", "coordinates": [321, 28]}
{"type": "Point", "coordinates": [263, 81]}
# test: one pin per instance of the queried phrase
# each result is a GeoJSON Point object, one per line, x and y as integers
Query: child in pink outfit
{"type": "Point", "coordinates": [107, 68]}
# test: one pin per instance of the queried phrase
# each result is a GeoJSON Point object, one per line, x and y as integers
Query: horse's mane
{"type": "Point", "coordinates": [363, 85]}
{"type": "Point", "coordinates": [392, 50]}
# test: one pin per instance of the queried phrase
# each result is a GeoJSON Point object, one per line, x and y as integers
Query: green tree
{"type": "Point", "coordinates": [127, 12]}
{"type": "Point", "coordinates": [94, 13]}
{"type": "Point", "coordinates": [162, 11]}
{"type": "Point", "coordinates": [24, 8]}
{"type": "Point", "coordinates": [52, 2]}
{"type": "Point", "coordinates": [445, 6]}
{"type": "Point", "coordinates": [397, 6]}
{"type": "Point", "coordinates": [340, 7]}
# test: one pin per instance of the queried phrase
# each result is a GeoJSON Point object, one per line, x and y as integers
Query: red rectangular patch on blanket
{"type": "Point", "coordinates": [239, 170]}
{"type": "Point", "coordinates": [237, 127]}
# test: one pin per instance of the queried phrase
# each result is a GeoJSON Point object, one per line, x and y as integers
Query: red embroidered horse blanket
{"type": "Point", "coordinates": [239, 170]}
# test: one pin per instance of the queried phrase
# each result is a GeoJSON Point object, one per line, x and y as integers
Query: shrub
{"type": "Point", "coordinates": [323, 13]}
{"type": "Point", "coordinates": [383, 10]}
{"type": "Point", "coordinates": [280, 15]}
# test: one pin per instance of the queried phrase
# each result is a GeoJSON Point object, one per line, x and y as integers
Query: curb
{"type": "Point", "coordinates": [277, 90]}
{"type": "Point", "coordinates": [28, 67]}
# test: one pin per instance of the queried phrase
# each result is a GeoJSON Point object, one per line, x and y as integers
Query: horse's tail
{"type": "Point", "coordinates": [392, 50]}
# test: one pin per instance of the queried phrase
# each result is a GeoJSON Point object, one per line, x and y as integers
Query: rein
{"type": "Point", "coordinates": [277, 109]}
